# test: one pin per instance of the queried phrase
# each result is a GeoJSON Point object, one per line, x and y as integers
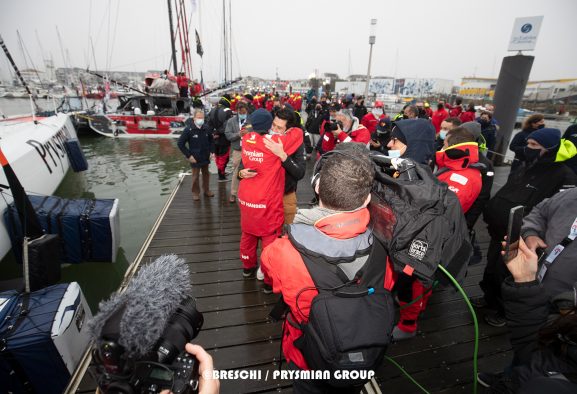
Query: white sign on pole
{"type": "Point", "coordinates": [525, 32]}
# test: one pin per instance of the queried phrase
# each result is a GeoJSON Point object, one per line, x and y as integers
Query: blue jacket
{"type": "Point", "coordinates": [196, 142]}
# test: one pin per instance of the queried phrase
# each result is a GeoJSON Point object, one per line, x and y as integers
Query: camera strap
{"type": "Point", "coordinates": [557, 250]}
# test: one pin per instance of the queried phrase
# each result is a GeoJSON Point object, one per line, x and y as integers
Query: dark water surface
{"type": "Point", "coordinates": [141, 174]}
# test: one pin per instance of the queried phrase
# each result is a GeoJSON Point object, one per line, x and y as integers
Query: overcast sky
{"type": "Point", "coordinates": [444, 39]}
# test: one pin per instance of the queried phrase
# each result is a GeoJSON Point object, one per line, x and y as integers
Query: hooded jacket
{"type": "Point", "coordinates": [438, 117]}
{"type": "Point", "coordinates": [454, 170]}
{"type": "Point", "coordinates": [528, 186]}
{"type": "Point", "coordinates": [261, 197]}
{"type": "Point", "coordinates": [420, 137]}
{"type": "Point", "coordinates": [328, 233]}
{"type": "Point", "coordinates": [551, 220]}
{"type": "Point", "coordinates": [216, 120]}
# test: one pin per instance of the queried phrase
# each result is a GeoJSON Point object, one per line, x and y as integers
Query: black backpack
{"type": "Point", "coordinates": [421, 223]}
{"type": "Point", "coordinates": [350, 322]}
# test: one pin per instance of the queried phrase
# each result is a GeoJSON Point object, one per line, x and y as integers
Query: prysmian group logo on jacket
{"type": "Point", "coordinates": [418, 249]}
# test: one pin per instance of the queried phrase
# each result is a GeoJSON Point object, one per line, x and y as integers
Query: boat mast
{"type": "Point", "coordinates": [225, 47]}
{"type": "Point", "coordinates": [172, 39]}
{"type": "Point", "coordinates": [17, 71]}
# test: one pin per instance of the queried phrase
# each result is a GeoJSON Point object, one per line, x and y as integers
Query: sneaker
{"type": "Point", "coordinates": [478, 302]}
{"type": "Point", "coordinates": [222, 177]}
{"type": "Point", "coordinates": [495, 320]}
{"type": "Point", "coordinates": [488, 380]}
{"type": "Point", "coordinates": [266, 289]}
{"type": "Point", "coordinates": [400, 335]}
{"type": "Point", "coordinates": [259, 274]}
{"type": "Point", "coordinates": [248, 272]}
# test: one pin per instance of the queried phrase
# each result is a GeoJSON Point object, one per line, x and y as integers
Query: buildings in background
{"type": "Point", "coordinates": [484, 88]}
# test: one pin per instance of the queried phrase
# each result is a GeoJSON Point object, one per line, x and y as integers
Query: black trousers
{"type": "Point", "coordinates": [495, 273]}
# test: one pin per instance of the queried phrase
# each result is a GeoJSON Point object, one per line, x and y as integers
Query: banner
{"type": "Point", "coordinates": [199, 50]}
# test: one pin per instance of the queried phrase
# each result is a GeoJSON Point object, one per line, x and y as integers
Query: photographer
{"type": "Point", "coordinates": [206, 385]}
{"type": "Point", "coordinates": [545, 355]}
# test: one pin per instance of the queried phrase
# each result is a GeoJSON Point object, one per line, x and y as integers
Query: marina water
{"type": "Point", "coordinates": [140, 173]}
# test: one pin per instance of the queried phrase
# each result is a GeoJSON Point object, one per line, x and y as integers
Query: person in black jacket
{"type": "Point", "coordinates": [487, 175]}
{"type": "Point", "coordinates": [216, 123]}
{"type": "Point", "coordinates": [197, 146]}
{"type": "Point", "coordinates": [359, 110]}
{"type": "Point", "coordinates": [314, 120]}
{"type": "Point", "coordinates": [518, 143]}
{"type": "Point", "coordinates": [545, 354]}
{"type": "Point", "coordinates": [540, 177]}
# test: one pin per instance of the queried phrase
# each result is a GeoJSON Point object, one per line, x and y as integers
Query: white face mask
{"type": "Point", "coordinates": [443, 134]}
{"type": "Point", "coordinates": [199, 122]}
{"type": "Point", "coordinates": [377, 112]}
{"type": "Point", "coordinates": [394, 153]}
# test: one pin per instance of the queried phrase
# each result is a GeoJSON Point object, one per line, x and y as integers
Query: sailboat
{"type": "Point", "coordinates": [35, 146]}
{"type": "Point", "coordinates": [159, 112]}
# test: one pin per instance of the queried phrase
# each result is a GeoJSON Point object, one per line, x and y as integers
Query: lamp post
{"type": "Point", "coordinates": [371, 42]}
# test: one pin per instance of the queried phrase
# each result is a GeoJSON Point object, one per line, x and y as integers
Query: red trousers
{"type": "Point", "coordinates": [221, 156]}
{"type": "Point", "coordinates": [248, 245]}
{"type": "Point", "coordinates": [410, 314]}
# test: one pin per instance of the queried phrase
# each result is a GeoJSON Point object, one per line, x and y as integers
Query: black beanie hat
{"type": "Point", "coordinates": [261, 120]}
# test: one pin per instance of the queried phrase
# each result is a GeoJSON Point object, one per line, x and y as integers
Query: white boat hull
{"type": "Point", "coordinates": [37, 155]}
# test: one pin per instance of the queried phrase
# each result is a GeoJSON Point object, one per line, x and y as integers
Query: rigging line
{"type": "Point", "coordinates": [186, 39]}
{"type": "Point", "coordinates": [31, 60]}
{"type": "Point", "coordinates": [230, 36]}
{"type": "Point", "coordinates": [237, 59]}
{"type": "Point", "coordinates": [114, 34]}
{"type": "Point", "coordinates": [108, 36]}
{"type": "Point", "coordinates": [22, 49]}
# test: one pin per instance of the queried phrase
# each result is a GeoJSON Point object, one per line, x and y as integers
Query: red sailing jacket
{"type": "Point", "coordinates": [261, 197]}
{"type": "Point", "coordinates": [465, 182]}
{"type": "Point", "coordinates": [370, 122]}
{"type": "Point", "coordinates": [329, 141]}
{"type": "Point", "coordinates": [437, 119]}
{"type": "Point", "coordinates": [289, 275]}
{"type": "Point", "coordinates": [467, 116]}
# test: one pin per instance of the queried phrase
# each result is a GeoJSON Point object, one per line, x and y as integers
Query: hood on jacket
{"type": "Point", "coordinates": [459, 156]}
{"type": "Point", "coordinates": [420, 137]}
{"type": "Point", "coordinates": [567, 150]}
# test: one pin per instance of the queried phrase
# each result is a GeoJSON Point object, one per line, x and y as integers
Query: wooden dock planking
{"type": "Point", "coordinates": [239, 334]}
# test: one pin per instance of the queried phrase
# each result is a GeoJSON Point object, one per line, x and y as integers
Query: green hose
{"type": "Point", "coordinates": [407, 374]}
{"type": "Point", "coordinates": [475, 322]}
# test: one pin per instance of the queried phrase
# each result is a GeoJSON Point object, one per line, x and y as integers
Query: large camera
{"type": "Point", "coordinates": [333, 125]}
{"type": "Point", "coordinates": [167, 366]}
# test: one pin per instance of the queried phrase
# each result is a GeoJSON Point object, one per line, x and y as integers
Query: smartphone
{"type": "Point", "coordinates": [251, 170]}
{"type": "Point", "coordinates": [514, 232]}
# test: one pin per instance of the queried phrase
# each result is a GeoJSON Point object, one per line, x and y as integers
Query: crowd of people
{"type": "Point", "coordinates": [269, 144]}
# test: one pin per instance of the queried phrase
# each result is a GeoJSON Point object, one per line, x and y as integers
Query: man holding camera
{"type": "Point", "coordinates": [345, 128]}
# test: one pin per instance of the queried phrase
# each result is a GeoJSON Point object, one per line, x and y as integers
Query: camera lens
{"type": "Point", "coordinates": [182, 327]}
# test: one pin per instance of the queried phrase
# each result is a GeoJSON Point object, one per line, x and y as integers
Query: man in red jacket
{"type": "Point", "coordinates": [454, 162]}
{"type": "Point", "coordinates": [339, 226]}
{"type": "Point", "coordinates": [371, 119]}
{"type": "Point", "coordinates": [260, 194]}
{"type": "Point", "coordinates": [350, 131]}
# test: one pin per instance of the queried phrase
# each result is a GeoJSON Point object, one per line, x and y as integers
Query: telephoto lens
{"type": "Point", "coordinates": [182, 327]}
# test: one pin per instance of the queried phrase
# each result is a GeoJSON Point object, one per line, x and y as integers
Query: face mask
{"type": "Point", "coordinates": [332, 118]}
{"type": "Point", "coordinates": [394, 153]}
{"type": "Point", "coordinates": [531, 154]}
{"type": "Point", "coordinates": [443, 134]}
{"type": "Point", "coordinates": [199, 122]}
{"type": "Point", "coordinates": [271, 132]}
{"type": "Point", "coordinates": [318, 108]}
{"type": "Point", "coordinates": [377, 112]}
{"type": "Point", "coordinates": [405, 116]}
{"type": "Point", "coordinates": [541, 126]}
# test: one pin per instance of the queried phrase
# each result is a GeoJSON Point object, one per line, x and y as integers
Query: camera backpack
{"type": "Point", "coordinates": [421, 224]}
{"type": "Point", "coordinates": [350, 322]}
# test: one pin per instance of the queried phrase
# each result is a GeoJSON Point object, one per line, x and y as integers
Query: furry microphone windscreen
{"type": "Point", "coordinates": [150, 299]}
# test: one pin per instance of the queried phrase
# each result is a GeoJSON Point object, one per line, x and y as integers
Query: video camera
{"type": "Point", "coordinates": [166, 367]}
{"type": "Point", "coordinates": [140, 334]}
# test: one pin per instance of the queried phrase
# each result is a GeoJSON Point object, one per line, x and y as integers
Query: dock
{"type": "Point", "coordinates": [239, 335]}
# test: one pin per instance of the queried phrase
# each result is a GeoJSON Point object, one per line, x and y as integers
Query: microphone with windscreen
{"type": "Point", "coordinates": [140, 333]}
